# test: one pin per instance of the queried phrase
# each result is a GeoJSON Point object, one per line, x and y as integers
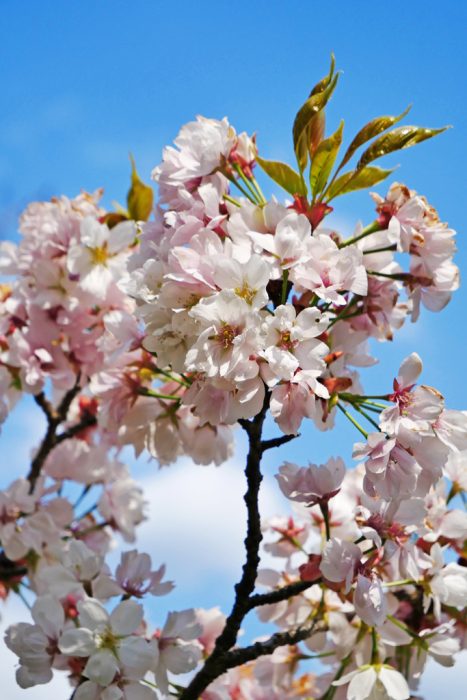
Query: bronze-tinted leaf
{"type": "Point", "coordinates": [112, 218]}
{"type": "Point", "coordinates": [324, 159]}
{"type": "Point", "coordinates": [370, 130]}
{"type": "Point", "coordinates": [284, 175]}
{"type": "Point", "coordinates": [315, 132]}
{"type": "Point", "coordinates": [140, 197]}
{"type": "Point", "coordinates": [396, 140]}
{"type": "Point", "coordinates": [305, 125]}
{"type": "Point", "coordinates": [324, 82]}
{"type": "Point", "coordinates": [357, 180]}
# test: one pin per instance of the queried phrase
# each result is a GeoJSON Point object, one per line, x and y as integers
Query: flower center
{"type": "Point", "coordinates": [286, 342]}
{"type": "Point", "coordinates": [226, 335]}
{"type": "Point", "coordinates": [107, 640]}
{"type": "Point", "coordinates": [100, 255]}
{"type": "Point", "coordinates": [246, 292]}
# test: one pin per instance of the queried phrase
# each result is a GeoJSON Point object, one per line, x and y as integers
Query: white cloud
{"type": "Point", "coordinates": [197, 520]}
{"type": "Point", "coordinates": [437, 679]}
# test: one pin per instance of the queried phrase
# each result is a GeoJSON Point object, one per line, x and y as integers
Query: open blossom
{"type": "Point", "coordinates": [122, 505]}
{"type": "Point", "coordinates": [247, 280]}
{"type": "Point", "coordinates": [133, 577]}
{"type": "Point", "coordinates": [100, 255]}
{"type": "Point", "coordinates": [78, 568]}
{"type": "Point", "coordinates": [369, 600]}
{"type": "Point", "coordinates": [108, 641]}
{"type": "Point", "coordinates": [37, 645]}
{"type": "Point", "coordinates": [328, 270]}
{"type": "Point", "coordinates": [123, 689]}
{"type": "Point", "coordinates": [288, 244]}
{"type": "Point", "coordinates": [179, 652]}
{"type": "Point", "coordinates": [200, 148]}
{"type": "Point", "coordinates": [311, 484]}
{"type": "Point", "coordinates": [228, 340]}
{"type": "Point", "coordinates": [292, 342]}
{"type": "Point", "coordinates": [391, 471]}
{"type": "Point", "coordinates": [375, 682]}
{"type": "Point", "coordinates": [415, 410]}
{"type": "Point", "coordinates": [224, 309]}
{"type": "Point", "coordinates": [340, 560]}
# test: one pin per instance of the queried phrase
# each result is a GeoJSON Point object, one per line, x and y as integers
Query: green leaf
{"type": "Point", "coordinates": [112, 218]}
{"type": "Point", "coordinates": [140, 197]}
{"type": "Point", "coordinates": [307, 125]}
{"type": "Point", "coordinates": [324, 82]}
{"type": "Point", "coordinates": [396, 140]}
{"type": "Point", "coordinates": [369, 131]}
{"type": "Point", "coordinates": [357, 180]}
{"type": "Point", "coordinates": [315, 133]}
{"type": "Point", "coordinates": [284, 175]}
{"type": "Point", "coordinates": [324, 159]}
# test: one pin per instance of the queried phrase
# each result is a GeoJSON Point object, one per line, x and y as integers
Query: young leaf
{"type": "Point", "coordinates": [369, 131]}
{"type": "Point", "coordinates": [305, 125]}
{"type": "Point", "coordinates": [357, 180]}
{"type": "Point", "coordinates": [315, 133]}
{"type": "Point", "coordinates": [140, 197]}
{"type": "Point", "coordinates": [396, 140]}
{"type": "Point", "coordinates": [324, 82]}
{"type": "Point", "coordinates": [284, 175]}
{"type": "Point", "coordinates": [324, 159]}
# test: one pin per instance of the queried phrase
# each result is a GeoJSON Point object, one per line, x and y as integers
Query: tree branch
{"type": "Point", "coordinates": [54, 418]}
{"type": "Point", "coordinates": [237, 657]}
{"type": "Point", "coordinates": [215, 664]}
{"type": "Point", "coordinates": [86, 422]}
{"type": "Point", "coordinates": [280, 594]}
{"type": "Point", "coordinates": [277, 442]}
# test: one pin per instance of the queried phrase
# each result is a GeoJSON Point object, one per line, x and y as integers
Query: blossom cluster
{"type": "Point", "coordinates": [165, 327]}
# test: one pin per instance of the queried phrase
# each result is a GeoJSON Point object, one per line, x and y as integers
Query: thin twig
{"type": "Point", "coordinates": [280, 594]}
{"type": "Point", "coordinates": [237, 657]}
{"type": "Point", "coordinates": [277, 442]}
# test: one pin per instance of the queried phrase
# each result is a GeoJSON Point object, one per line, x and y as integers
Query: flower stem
{"type": "Point", "coordinates": [247, 183]}
{"type": "Point", "coordinates": [358, 408]}
{"type": "Point", "coordinates": [324, 507]}
{"type": "Point", "coordinates": [352, 420]}
{"type": "Point", "coordinates": [285, 280]}
{"type": "Point", "coordinates": [367, 231]}
{"type": "Point", "coordinates": [232, 200]}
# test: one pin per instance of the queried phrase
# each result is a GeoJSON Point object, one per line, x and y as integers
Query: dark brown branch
{"type": "Point", "coordinates": [215, 664]}
{"type": "Point", "coordinates": [237, 657]}
{"type": "Point", "coordinates": [86, 422]}
{"type": "Point", "coordinates": [54, 418]}
{"type": "Point", "coordinates": [280, 594]}
{"type": "Point", "coordinates": [277, 442]}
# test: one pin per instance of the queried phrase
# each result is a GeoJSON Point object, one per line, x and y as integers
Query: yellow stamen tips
{"type": "Point", "coordinates": [246, 292]}
{"type": "Point", "coordinates": [286, 341]}
{"type": "Point", "coordinates": [5, 291]}
{"type": "Point", "coordinates": [226, 335]}
{"type": "Point", "coordinates": [107, 640]}
{"type": "Point", "coordinates": [99, 255]}
{"type": "Point", "coordinates": [145, 374]}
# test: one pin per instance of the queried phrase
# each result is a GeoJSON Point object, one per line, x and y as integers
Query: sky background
{"type": "Point", "coordinates": [85, 83]}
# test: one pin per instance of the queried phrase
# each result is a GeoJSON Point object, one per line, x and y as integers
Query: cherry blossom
{"type": "Point", "coordinates": [166, 328]}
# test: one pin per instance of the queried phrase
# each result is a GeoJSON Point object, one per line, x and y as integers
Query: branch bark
{"type": "Point", "coordinates": [215, 664]}
{"type": "Point", "coordinates": [237, 657]}
{"type": "Point", "coordinates": [223, 655]}
{"type": "Point", "coordinates": [55, 416]}
{"type": "Point", "coordinates": [280, 594]}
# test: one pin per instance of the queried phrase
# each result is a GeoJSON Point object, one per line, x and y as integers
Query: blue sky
{"type": "Point", "coordinates": [85, 83]}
